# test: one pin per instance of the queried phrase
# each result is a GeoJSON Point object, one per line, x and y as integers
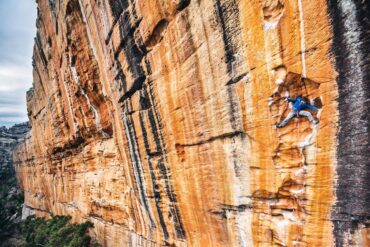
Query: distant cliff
{"type": "Point", "coordinates": [155, 120]}
{"type": "Point", "coordinates": [9, 138]}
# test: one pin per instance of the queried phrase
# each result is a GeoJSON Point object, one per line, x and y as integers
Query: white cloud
{"type": "Point", "coordinates": [17, 31]}
{"type": "Point", "coordinates": [14, 77]}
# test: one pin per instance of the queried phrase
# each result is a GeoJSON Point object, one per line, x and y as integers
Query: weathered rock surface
{"type": "Point", "coordinates": [155, 121]}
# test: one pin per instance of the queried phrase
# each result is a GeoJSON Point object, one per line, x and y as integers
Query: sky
{"type": "Point", "coordinates": [17, 32]}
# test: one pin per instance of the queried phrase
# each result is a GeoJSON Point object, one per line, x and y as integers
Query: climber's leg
{"type": "Point", "coordinates": [309, 116]}
{"type": "Point", "coordinates": [286, 120]}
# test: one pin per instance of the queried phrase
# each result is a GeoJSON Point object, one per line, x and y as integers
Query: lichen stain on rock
{"type": "Point", "coordinates": [155, 121]}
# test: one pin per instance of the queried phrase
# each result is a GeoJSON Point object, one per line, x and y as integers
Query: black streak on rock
{"type": "Point", "coordinates": [183, 4]}
{"type": "Point", "coordinates": [133, 57]}
{"type": "Point", "coordinates": [236, 79]}
{"type": "Point", "coordinates": [158, 137]}
{"type": "Point", "coordinates": [228, 16]}
{"type": "Point", "coordinates": [351, 45]}
{"type": "Point", "coordinates": [39, 46]}
{"type": "Point", "coordinates": [133, 54]}
{"type": "Point", "coordinates": [117, 7]}
{"type": "Point", "coordinates": [227, 11]}
{"type": "Point", "coordinates": [134, 50]}
{"type": "Point", "coordinates": [137, 164]}
{"type": "Point", "coordinates": [156, 126]}
{"type": "Point", "coordinates": [137, 85]}
{"type": "Point", "coordinates": [157, 195]}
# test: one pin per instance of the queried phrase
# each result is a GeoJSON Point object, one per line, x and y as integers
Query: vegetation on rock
{"type": "Point", "coordinates": [11, 199]}
{"type": "Point", "coordinates": [11, 196]}
{"type": "Point", "coordinates": [56, 231]}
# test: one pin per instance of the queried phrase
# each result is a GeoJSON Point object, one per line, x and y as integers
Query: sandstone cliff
{"type": "Point", "coordinates": [155, 121]}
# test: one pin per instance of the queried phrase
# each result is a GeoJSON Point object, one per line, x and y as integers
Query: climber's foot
{"type": "Point", "coordinates": [316, 121]}
{"type": "Point", "coordinates": [278, 126]}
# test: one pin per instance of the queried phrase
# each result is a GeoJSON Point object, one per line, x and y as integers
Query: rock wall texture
{"type": "Point", "coordinates": [155, 121]}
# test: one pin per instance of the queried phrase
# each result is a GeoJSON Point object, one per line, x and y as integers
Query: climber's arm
{"type": "Point", "coordinates": [290, 99]}
{"type": "Point", "coordinates": [312, 107]}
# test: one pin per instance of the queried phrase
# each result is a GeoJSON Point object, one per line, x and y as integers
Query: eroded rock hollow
{"type": "Point", "coordinates": [156, 119]}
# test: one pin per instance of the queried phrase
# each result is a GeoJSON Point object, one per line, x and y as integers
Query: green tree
{"type": "Point", "coordinates": [56, 232]}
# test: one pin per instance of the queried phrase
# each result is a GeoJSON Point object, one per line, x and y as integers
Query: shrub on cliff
{"type": "Point", "coordinates": [56, 232]}
{"type": "Point", "coordinates": [11, 198]}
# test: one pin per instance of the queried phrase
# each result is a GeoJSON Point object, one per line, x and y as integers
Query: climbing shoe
{"type": "Point", "coordinates": [316, 121]}
{"type": "Point", "coordinates": [277, 126]}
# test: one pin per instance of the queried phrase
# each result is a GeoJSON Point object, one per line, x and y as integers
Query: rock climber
{"type": "Point", "coordinates": [299, 104]}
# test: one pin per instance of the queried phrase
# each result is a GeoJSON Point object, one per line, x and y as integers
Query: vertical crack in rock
{"type": "Point", "coordinates": [302, 37]}
{"type": "Point", "coordinates": [351, 43]}
{"type": "Point", "coordinates": [88, 90]}
{"type": "Point", "coordinates": [285, 209]}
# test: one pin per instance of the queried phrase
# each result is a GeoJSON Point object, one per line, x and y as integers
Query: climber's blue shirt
{"type": "Point", "coordinates": [298, 105]}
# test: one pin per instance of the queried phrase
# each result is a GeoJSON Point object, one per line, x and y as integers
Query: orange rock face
{"type": "Point", "coordinates": [155, 120]}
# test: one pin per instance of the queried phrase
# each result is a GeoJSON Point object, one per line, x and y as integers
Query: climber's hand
{"type": "Point", "coordinates": [319, 113]}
